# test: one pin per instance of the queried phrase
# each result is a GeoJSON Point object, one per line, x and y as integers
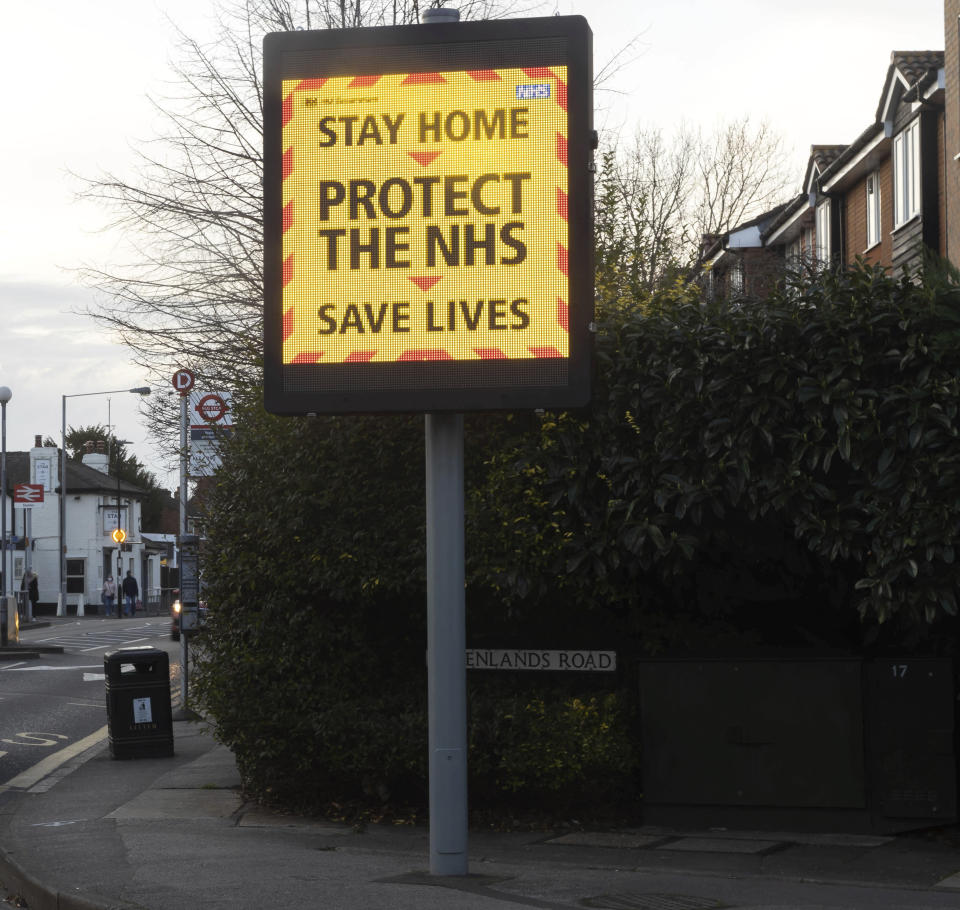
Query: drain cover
{"type": "Point", "coordinates": [633, 901]}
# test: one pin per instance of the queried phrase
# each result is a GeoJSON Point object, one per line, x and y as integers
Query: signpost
{"type": "Point", "coordinates": [28, 496]}
{"type": "Point", "coordinates": [428, 247]}
{"type": "Point", "coordinates": [183, 382]}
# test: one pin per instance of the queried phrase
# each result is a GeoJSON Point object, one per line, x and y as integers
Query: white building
{"type": "Point", "coordinates": [94, 501]}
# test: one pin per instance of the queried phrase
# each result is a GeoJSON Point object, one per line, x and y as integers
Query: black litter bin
{"type": "Point", "coordinates": [139, 717]}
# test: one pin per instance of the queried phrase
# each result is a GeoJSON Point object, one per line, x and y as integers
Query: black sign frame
{"type": "Point", "coordinates": [429, 385]}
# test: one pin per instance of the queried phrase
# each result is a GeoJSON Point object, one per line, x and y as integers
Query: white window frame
{"type": "Point", "coordinates": [735, 279]}
{"type": "Point", "coordinates": [872, 188]}
{"type": "Point", "coordinates": [76, 580]}
{"type": "Point", "coordinates": [822, 238]}
{"type": "Point", "coordinates": [906, 175]}
{"type": "Point", "coordinates": [794, 253]}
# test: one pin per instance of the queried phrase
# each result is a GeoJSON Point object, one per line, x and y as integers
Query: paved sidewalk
{"type": "Point", "coordinates": [174, 833]}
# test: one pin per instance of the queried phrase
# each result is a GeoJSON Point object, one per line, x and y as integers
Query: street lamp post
{"type": "Point", "coordinates": [5, 396]}
{"type": "Point", "coordinates": [119, 538]}
{"type": "Point", "coordinates": [140, 390]}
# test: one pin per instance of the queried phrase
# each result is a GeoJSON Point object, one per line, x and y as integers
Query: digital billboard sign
{"type": "Point", "coordinates": [428, 224]}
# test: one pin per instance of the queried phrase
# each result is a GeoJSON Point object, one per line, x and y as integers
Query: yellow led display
{"type": "Point", "coordinates": [425, 217]}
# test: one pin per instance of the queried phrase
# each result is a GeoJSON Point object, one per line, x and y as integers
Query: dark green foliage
{"type": "Point", "coordinates": [793, 451]}
{"type": "Point", "coordinates": [782, 472]}
{"type": "Point", "coordinates": [532, 744]}
{"type": "Point", "coordinates": [313, 662]}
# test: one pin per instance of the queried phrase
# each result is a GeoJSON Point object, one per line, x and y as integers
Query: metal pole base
{"type": "Point", "coordinates": [446, 644]}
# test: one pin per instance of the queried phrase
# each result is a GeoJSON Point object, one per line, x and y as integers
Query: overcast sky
{"type": "Point", "coordinates": [77, 78]}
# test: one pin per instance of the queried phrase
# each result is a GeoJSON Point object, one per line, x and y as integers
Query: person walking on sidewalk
{"type": "Point", "coordinates": [131, 591]}
{"type": "Point", "coordinates": [33, 595]}
{"type": "Point", "coordinates": [108, 593]}
{"type": "Point", "coordinates": [29, 596]}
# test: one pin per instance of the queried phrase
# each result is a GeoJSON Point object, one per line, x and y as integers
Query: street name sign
{"type": "Point", "coordinates": [533, 659]}
{"type": "Point", "coordinates": [428, 219]}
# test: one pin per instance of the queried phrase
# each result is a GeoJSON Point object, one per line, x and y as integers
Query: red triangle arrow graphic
{"type": "Point", "coordinates": [424, 283]}
{"type": "Point", "coordinates": [424, 158]}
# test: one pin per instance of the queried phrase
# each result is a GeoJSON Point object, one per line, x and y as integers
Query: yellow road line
{"type": "Point", "coordinates": [26, 779]}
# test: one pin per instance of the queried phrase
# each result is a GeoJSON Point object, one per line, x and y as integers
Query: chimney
{"type": "Point", "coordinates": [101, 447]}
{"type": "Point", "coordinates": [38, 442]}
{"type": "Point", "coordinates": [96, 460]}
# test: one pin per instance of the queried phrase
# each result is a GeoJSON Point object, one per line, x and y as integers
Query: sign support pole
{"type": "Point", "coordinates": [184, 456]}
{"type": "Point", "coordinates": [446, 644]}
{"type": "Point", "coordinates": [28, 560]}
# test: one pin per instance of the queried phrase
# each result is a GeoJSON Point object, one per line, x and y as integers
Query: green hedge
{"type": "Point", "coordinates": [784, 471]}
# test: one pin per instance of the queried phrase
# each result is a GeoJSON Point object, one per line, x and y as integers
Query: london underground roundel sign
{"type": "Point", "coordinates": [428, 226]}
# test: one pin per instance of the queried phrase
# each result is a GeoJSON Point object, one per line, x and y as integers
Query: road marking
{"type": "Point", "coordinates": [57, 824]}
{"type": "Point", "coordinates": [19, 663]}
{"type": "Point", "coordinates": [952, 881]}
{"type": "Point", "coordinates": [38, 739]}
{"type": "Point", "coordinates": [26, 779]}
{"type": "Point", "coordinates": [29, 669]}
{"type": "Point", "coordinates": [123, 644]}
{"type": "Point", "coordinates": [94, 677]}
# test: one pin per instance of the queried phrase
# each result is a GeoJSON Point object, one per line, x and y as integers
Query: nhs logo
{"type": "Point", "coordinates": [533, 92]}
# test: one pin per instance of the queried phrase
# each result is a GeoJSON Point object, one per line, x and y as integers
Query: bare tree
{"type": "Point", "coordinates": [741, 171]}
{"type": "Point", "coordinates": [191, 291]}
{"type": "Point", "coordinates": [658, 196]}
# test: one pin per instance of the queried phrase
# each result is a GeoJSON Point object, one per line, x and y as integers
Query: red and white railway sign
{"type": "Point", "coordinates": [27, 495]}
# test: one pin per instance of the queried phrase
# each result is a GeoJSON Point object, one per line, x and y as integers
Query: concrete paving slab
{"type": "Point", "coordinates": [606, 839]}
{"type": "Point", "coordinates": [214, 770]}
{"type": "Point", "coordinates": [721, 845]}
{"type": "Point", "coordinates": [867, 841]}
{"type": "Point", "coordinates": [192, 804]}
{"type": "Point", "coordinates": [259, 818]}
{"type": "Point", "coordinates": [952, 882]}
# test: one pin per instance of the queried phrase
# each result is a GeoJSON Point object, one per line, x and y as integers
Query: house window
{"type": "Point", "coordinates": [823, 233]}
{"type": "Point", "coordinates": [794, 253]}
{"type": "Point", "coordinates": [873, 209]}
{"type": "Point", "coordinates": [808, 248]}
{"type": "Point", "coordinates": [906, 174]}
{"type": "Point", "coordinates": [76, 576]}
{"type": "Point", "coordinates": [735, 279]}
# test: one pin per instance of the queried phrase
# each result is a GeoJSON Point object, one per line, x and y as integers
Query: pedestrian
{"type": "Point", "coordinates": [33, 595]}
{"type": "Point", "coordinates": [22, 596]}
{"type": "Point", "coordinates": [131, 591]}
{"type": "Point", "coordinates": [29, 595]}
{"type": "Point", "coordinates": [108, 594]}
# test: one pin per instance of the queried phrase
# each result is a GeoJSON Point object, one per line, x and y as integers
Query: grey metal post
{"type": "Point", "coordinates": [4, 571]}
{"type": "Point", "coordinates": [446, 644]}
{"type": "Point", "coordinates": [28, 560]}
{"type": "Point", "coordinates": [5, 396]}
{"type": "Point", "coordinates": [184, 455]}
{"type": "Point", "coordinates": [62, 502]}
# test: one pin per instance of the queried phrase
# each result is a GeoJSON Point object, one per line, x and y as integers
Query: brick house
{"type": "Point", "coordinates": [888, 197]}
